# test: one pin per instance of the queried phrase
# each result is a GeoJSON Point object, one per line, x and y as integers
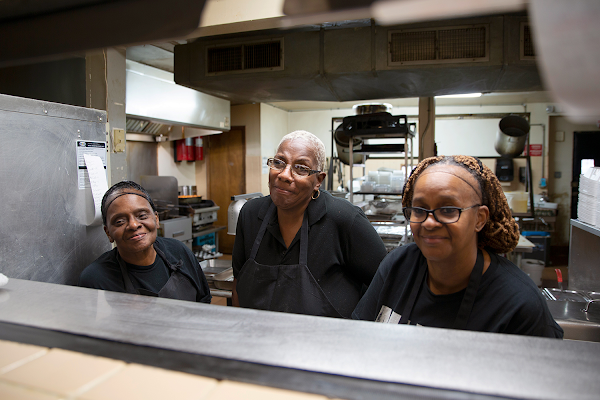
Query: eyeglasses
{"type": "Point", "coordinates": [298, 169]}
{"type": "Point", "coordinates": [443, 215]}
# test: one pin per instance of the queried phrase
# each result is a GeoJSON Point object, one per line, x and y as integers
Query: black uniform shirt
{"type": "Point", "coordinates": [507, 300]}
{"type": "Point", "coordinates": [343, 248]}
{"type": "Point", "coordinates": [104, 273]}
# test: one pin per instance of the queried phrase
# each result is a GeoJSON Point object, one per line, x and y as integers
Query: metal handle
{"type": "Point", "coordinates": [178, 233]}
{"type": "Point", "coordinates": [587, 306]}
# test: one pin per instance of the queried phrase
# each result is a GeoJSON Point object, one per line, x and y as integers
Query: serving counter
{"type": "Point", "coordinates": [337, 358]}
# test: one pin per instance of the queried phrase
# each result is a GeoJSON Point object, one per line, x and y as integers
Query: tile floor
{"type": "Point", "coordinates": [37, 373]}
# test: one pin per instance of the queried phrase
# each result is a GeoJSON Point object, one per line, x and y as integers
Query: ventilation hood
{"type": "Point", "coordinates": [364, 61]}
{"type": "Point", "coordinates": [157, 106]}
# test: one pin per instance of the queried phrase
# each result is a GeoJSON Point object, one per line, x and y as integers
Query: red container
{"type": "Point", "coordinates": [199, 149]}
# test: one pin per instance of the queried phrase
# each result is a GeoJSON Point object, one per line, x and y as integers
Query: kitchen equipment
{"type": "Point", "coordinates": [534, 269]}
{"type": "Point", "coordinates": [511, 136]}
{"type": "Point", "coordinates": [565, 295]}
{"type": "Point", "coordinates": [202, 212]}
{"type": "Point", "coordinates": [218, 273]}
{"type": "Point", "coordinates": [179, 228]}
{"type": "Point", "coordinates": [505, 170]}
{"type": "Point", "coordinates": [188, 190]}
{"type": "Point", "coordinates": [372, 108]}
{"type": "Point", "coordinates": [517, 201]}
{"type": "Point", "coordinates": [371, 119]}
{"type": "Point", "coordinates": [203, 216]}
{"type": "Point", "coordinates": [163, 191]}
{"type": "Point", "coordinates": [342, 144]}
{"type": "Point", "coordinates": [233, 211]}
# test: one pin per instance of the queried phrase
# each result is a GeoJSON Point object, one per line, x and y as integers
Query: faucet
{"type": "Point", "coordinates": [587, 306]}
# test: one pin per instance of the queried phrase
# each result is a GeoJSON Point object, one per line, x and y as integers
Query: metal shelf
{"type": "Point", "coordinates": [207, 231]}
{"type": "Point", "coordinates": [381, 193]}
{"type": "Point", "coordinates": [586, 227]}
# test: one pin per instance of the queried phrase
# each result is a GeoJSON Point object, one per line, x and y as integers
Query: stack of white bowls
{"type": "Point", "coordinates": [588, 206]}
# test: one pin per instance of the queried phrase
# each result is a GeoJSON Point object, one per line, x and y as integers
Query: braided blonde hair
{"type": "Point", "coordinates": [501, 232]}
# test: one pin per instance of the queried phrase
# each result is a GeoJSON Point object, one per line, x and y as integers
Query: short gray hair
{"type": "Point", "coordinates": [316, 143]}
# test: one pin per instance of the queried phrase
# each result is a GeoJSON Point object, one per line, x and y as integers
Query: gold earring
{"type": "Point", "coordinates": [313, 195]}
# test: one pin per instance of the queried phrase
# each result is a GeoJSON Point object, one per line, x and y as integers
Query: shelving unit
{"type": "Point", "coordinates": [541, 222]}
{"type": "Point", "coordinates": [377, 126]}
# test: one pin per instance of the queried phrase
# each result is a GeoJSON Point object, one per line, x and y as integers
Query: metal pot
{"type": "Point", "coordinates": [511, 136]}
{"type": "Point", "coordinates": [342, 144]}
{"type": "Point", "coordinates": [187, 190]}
{"type": "Point", "coordinates": [372, 108]}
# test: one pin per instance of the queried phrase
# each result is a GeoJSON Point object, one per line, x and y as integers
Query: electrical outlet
{"type": "Point", "coordinates": [118, 140]}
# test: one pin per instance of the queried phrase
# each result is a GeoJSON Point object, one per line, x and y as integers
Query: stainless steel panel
{"type": "Point", "coordinates": [584, 253]}
{"type": "Point", "coordinates": [163, 190]}
{"type": "Point", "coordinates": [468, 362]}
{"type": "Point", "coordinates": [179, 228]}
{"type": "Point", "coordinates": [142, 159]}
{"type": "Point", "coordinates": [43, 235]}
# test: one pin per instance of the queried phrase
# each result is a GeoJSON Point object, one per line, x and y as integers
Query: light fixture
{"type": "Point", "coordinates": [459, 96]}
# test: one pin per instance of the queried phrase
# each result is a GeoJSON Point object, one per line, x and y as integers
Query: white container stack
{"type": "Point", "coordinates": [384, 180]}
{"type": "Point", "coordinates": [588, 206]}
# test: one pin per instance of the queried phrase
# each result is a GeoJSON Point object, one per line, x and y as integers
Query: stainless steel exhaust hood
{"type": "Point", "coordinates": [157, 106]}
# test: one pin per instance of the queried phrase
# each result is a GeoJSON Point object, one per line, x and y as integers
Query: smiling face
{"type": "Point", "coordinates": [289, 191]}
{"type": "Point", "coordinates": [132, 225]}
{"type": "Point", "coordinates": [440, 186]}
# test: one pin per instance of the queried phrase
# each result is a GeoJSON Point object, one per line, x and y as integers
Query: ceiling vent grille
{"type": "Point", "coordinates": [134, 125]}
{"type": "Point", "coordinates": [222, 59]}
{"type": "Point", "coordinates": [440, 45]}
{"type": "Point", "coordinates": [246, 57]}
{"type": "Point", "coordinates": [527, 48]}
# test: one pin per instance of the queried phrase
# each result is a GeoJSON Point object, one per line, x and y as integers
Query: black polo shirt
{"type": "Point", "coordinates": [105, 273]}
{"type": "Point", "coordinates": [344, 250]}
{"type": "Point", "coordinates": [507, 300]}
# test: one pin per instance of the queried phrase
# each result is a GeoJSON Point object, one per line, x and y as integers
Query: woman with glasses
{"type": "Point", "coordinates": [301, 250]}
{"type": "Point", "coordinates": [452, 275]}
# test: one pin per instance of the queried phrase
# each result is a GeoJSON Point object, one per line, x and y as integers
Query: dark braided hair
{"type": "Point", "coordinates": [501, 232]}
{"type": "Point", "coordinates": [123, 187]}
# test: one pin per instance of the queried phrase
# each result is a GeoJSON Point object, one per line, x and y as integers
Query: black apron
{"type": "Point", "coordinates": [178, 286]}
{"type": "Point", "coordinates": [286, 288]}
{"type": "Point", "coordinates": [468, 299]}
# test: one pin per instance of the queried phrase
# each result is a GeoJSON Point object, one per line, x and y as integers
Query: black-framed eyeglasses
{"type": "Point", "coordinates": [443, 215]}
{"type": "Point", "coordinates": [298, 169]}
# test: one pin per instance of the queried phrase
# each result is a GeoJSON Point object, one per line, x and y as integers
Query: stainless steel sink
{"type": "Point", "coordinates": [577, 324]}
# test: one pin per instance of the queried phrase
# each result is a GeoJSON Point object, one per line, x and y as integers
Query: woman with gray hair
{"type": "Point", "coordinates": [301, 250]}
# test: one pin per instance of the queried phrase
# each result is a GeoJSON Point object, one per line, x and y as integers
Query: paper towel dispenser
{"type": "Point", "coordinates": [505, 169]}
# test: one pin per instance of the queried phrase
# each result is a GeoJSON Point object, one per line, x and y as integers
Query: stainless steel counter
{"type": "Point", "coordinates": [351, 359]}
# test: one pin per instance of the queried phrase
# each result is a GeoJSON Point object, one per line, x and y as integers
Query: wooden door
{"type": "Point", "coordinates": [226, 160]}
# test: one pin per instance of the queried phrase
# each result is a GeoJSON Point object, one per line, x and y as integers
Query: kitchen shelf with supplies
{"type": "Point", "coordinates": [382, 126]}
{"type": "Point", "coordinates": [378, 126]}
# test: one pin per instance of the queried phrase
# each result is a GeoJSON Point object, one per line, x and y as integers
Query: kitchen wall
{"type": "Point", "coordinates": [248, 116]}
{"type": "Point", "coordinates": [184, 171]}
{"type": "Point", "coordinates": [274, 125]}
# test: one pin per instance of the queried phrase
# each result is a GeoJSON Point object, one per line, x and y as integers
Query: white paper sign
{"type": "Point", "coordinates": [91, 147]}
{"type": "Point", "coordinates": [99, 185]}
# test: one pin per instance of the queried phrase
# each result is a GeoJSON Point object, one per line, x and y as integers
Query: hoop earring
{"type": "Point", "coordinates": [313, 195]}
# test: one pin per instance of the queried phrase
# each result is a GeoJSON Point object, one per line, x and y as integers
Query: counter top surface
{"type": "Point", "coordinates": [489, 364]}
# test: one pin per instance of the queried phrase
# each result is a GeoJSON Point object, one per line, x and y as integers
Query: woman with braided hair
{"type": "Point", "coordinates": [452, 276]}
